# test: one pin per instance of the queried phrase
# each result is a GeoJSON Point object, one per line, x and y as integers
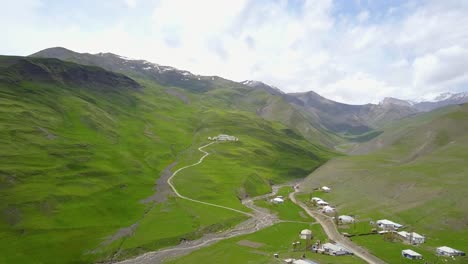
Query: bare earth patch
{"type": "Point", "coordinates": [251, 244]}
{"type": "Point", "coordinates": [162, 188]}
{"type": "Point", "coordinates": [47, 133]}
{"type": "Point", "coordinates": [179, 95]}
{"type": "Point", "coordinates": [122, 232]}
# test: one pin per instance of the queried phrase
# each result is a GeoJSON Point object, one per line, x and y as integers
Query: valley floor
{"type": "Point", "coordinates": [260, 218]}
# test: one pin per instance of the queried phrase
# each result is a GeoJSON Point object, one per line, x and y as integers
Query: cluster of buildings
{"type": "Point", "coordinates": [332, 249]}
{"type": "Point", "coordinates": [327, 248]}
{"type": "Point", "coordinates": [223, 137]}
{"type": "Point", "coordinates": [414, 238]}
{"type": "Point", "coordinates": [386, 226]}
{"type": "Point", "coordinates": [324, 206]}
{"type": "Point", "coordinates": [441, 251]}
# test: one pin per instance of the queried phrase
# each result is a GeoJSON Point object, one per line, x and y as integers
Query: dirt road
{"type": "Point", "coordinates": [259, 218]}
{"type": "Point", "coordinates": [332, 232]}
{"type": "Point", "coordinates": [169, 181]}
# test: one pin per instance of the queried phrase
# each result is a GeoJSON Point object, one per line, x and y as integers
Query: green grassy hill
{"type": "Point", "coordinates": [261, 102]}
{"type": "Point", "coordinates": [82, 149]}
{"type": "Point", "coordinates": [414, 174]}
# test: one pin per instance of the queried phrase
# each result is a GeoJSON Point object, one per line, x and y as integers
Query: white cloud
{"type": "Point", "coordinates": [358, 88]}
{"type": "Point", "coordinates": [131, 3]}
{"type": "Point", "coordinates": [363, 16]}
{"type": "Point", "coordinates": [444, 65]}
{"type": "Point", "coordinates": [409, 51]}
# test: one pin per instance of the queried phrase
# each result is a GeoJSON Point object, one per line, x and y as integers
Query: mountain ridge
{"type": "Point", "coordinates": [14, 69]}
{"type": "Point", "coordinates": [313, 113]}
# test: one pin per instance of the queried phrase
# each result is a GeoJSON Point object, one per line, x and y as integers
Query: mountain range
{"type": "Point", "coordinates": [315, 117]}
{"type": "Point", "coordinates": [89, 141]}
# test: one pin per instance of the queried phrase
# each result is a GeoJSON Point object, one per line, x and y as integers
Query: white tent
{"type": "Point", "coordinates": [410, 254]}
{"type": "Point", "coordinates": [305, 234]}
{"type": "Point", "coordinates": [277, 200]}
{"type": "Point", "coordinates": [322, 203]}
{"type": "Point", "coordinates": [316, 199]}
{"type": "Point", "coordinates": [335, 249]}
{"type": "Point", "coordinates": [448, 251]}
{"type": "Point", "coordinates": [387, 224]}
{"type": "Point", "coordinates": [328, 209]}
{"type": "Point", "coordinates": [346, 219]}
{"type": "Point", "coordinates": [326, 189]}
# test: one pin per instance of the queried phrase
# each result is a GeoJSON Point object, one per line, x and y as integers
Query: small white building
{"type": "Point", "coordinates": [388, 225]}
{"type": "Point", "coordinates": [322, 203]}
{"type": "Point", "coordinates": [413, 238]}
{"type": "Point", "coordinates": [224, 137]}
{"type": "Point", "coordinates": [316, 199]}
{"type": "Point", "coordinates": [345, 219]}
{"type": "Point", "coordinates": [335, 249]}
{"type": "Point", "coordinates": [410, 254]}
{"type": "Point", "coordinates": [277, 200]}
{"type": "Point", "coordinates": [328, 209]}
{"type": "Point", "coordinates": [299, 261]}
{"type": "Point", "coordinates": [305, 234]}
{"type": "Point", "coordinates": [325, 189]}
{"type": "Point", "coordinates": [449, 252]}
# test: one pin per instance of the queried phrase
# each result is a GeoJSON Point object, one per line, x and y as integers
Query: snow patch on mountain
{"type": "Point", "coordinates": [257, 84]}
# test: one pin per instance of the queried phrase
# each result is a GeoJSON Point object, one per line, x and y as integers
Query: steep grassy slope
{"type": "Point", "coordinates": [264, 103]}
{"type": "Point", "coordinates": [80, 155]}
{"type": "Point", "coordinates": [416, 176]}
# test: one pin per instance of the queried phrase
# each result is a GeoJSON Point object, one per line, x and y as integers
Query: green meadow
{"type": "Point", "coordinates": [413, 174]}
{"type": "Point", "coordinates": [288, 210]}
{"type": "Point", "coordinates": [260, 247]}
{"type": "Point", "coordinates": [78, 162]}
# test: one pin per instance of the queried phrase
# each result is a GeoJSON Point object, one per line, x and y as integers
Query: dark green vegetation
{"type": "Point", "coordinates": [414, 174]}
{"type": "Point", "coordinates": [260, 247]}
{"type": "Point", "coordinates": [82, 148]}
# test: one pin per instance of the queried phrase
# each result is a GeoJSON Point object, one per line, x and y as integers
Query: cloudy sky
{"type": "Point", "coordinates": [349, 51]}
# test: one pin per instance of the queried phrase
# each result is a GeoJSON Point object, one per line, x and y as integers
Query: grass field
{"type": "Point", "coordinates": [77, 162]}
{"type": "Point", "coordinates": [266, 242]}
{"type": "Point", "coordinates": [287, 210]}
{"type": "Point", "coordinates": [415, 175]}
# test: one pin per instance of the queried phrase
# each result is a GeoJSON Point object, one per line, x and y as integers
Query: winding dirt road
{"type": "Point", "coordinates": [259, 218]}
{"type": "Point", "coordinates": [169, 181]}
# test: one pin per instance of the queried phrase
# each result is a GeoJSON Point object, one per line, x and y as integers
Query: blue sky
{"type": "Point", "coordinates": [353, 51]}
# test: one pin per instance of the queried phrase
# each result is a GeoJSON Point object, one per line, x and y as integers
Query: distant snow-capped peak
{"type": "Point", "coordinates": [395, 101]}
{"type": "Point", "coordinates": [443, 97]}
{"type": "Point", "coordinates": [251, 83]}
{"type": "Point", "coordinates": [144, 65]}
{"type": "Point", "coordinates": [258, 84]}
